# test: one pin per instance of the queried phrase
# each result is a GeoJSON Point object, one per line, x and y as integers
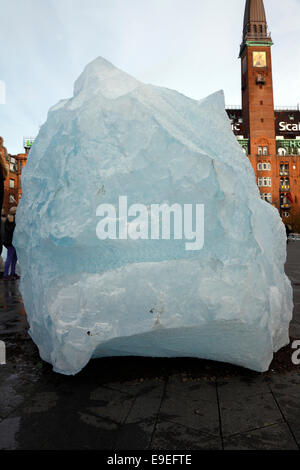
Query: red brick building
{"type": "Point", "coordinates": [269, 136]}
{"type": "Point", "coordinates": [12, 184]}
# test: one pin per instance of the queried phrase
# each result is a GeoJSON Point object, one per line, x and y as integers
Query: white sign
{"type": "Point", "coordinates": [288, 126]}
{"type": "Point", "coordinates": [236, 127]}
{"type": "Point", "coordinates": [296, 354]}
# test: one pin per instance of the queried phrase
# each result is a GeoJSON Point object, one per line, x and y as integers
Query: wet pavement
{"type": "Point", "coordinates": [144, 403]}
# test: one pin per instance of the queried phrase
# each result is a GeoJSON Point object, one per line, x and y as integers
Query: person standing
{"type": "Point", "coordinates": [11, 260]}
{"type": "Point", "coordinates": [3, 218]}
{"type": "Point", "coordinates": [3, 171]}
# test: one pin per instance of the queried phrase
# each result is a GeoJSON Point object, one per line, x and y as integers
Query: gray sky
{"type": "Point", "coordinates": [188, 45]}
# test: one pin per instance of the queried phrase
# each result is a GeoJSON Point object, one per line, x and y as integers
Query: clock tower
{"type": "Point", "coordinates": [257, 87]}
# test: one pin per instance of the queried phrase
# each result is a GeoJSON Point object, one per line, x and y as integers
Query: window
{"type": "Point", "coordinates": [266, 181]}
{"type": "Point", "coordinates": [285, 183]}
{"type": "Point", "coordinates": [263, 150]}
{"type": "Point", "coordinates": [284, 169]}
{"type": "Point", "coordinates": [284, 202]}
{"type": "Point", "coordinates": [11, 199]}
{"type": "Point", "coordinates": [11, 183]}
{"type": "Point", "coordinates": [286, 214]}
{"type": "Point", "coordinates": [267, 197]}
{"type": "Point", "coordinates": [264, 166]}
{"type": "Point", "coordinates": [12, 160]}
{"type": "Point", "coordinates": [281, 151]}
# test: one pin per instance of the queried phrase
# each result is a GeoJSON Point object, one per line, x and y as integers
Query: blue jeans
{"type": "Point", "coordinates": [11, 261]}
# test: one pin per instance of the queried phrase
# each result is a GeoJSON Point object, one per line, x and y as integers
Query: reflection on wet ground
{"type": "Point", "coordinates": [144, 403]}
{"type": "Point", "coordinates": [12, 311]}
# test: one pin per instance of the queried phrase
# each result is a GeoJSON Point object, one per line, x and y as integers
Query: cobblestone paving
{"type": "Point", "coordinates": [133, 403]}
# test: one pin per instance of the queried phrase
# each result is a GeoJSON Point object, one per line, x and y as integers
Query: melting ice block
{"type": "Point", "coordinates": [117, 137]}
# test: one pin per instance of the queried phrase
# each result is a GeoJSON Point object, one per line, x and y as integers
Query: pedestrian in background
{"type": "Point", "coordinates": [11, 260]}
{"type": "Point", "coordinates": [2, 222]}
{"type": "Point", "coordinates": [3, 170]}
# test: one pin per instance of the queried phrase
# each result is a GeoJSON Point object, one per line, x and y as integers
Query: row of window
{"type": "Point", "coordinates": [268, 197]}
{"type": "Point", "coordinates": [280, 151]}
{"type": "Point", "coordinates": [257, 28]}
{"type": "Point", "coordinates": [293, 151]}
{"type": "Point", "coordinates": [284, 168]}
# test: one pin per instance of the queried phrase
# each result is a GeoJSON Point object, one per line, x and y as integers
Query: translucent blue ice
{"type": "Point", "coordinates": [230, 301]}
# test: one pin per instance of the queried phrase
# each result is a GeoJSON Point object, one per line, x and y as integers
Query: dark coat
{"type": "Point", "coordinates": [9, 228]}
{"type": "Point", "coordinates": [3, 219]}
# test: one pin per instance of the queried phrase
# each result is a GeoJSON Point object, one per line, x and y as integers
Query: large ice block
{"type": "Point", "coordinates": [85, 297]}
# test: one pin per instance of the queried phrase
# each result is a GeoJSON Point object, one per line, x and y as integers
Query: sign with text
{"type": "Point", "coordinates": [287, 123]}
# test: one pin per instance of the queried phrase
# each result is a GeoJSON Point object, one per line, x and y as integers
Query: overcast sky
{"type": "Point", "coordinates": [188, 45]}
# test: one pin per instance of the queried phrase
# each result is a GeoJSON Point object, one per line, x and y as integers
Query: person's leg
{"type": "Point", "coordinates": [1, 261]}
{"type": "Point", "coordinates": [13, 262]}
{"type": "Point", "coordinates": [8, 260]}
{"type": "Point", "coordinates": [1, 197]}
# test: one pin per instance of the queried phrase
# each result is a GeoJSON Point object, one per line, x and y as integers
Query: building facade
{"type": "Point", "coordinates": [269, 136]}
{"type": "Point", "coordinates": [12, 184]}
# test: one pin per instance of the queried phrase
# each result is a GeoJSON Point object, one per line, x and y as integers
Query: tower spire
{"type": "Point", "coordinates": [255, 23]}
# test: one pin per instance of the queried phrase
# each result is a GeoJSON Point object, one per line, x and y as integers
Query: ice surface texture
{"type": "Point", "coordinates": [230, 301]}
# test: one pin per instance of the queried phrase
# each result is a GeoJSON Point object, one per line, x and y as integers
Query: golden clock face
{"type": "Point", "coordinates": [259, 59]}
